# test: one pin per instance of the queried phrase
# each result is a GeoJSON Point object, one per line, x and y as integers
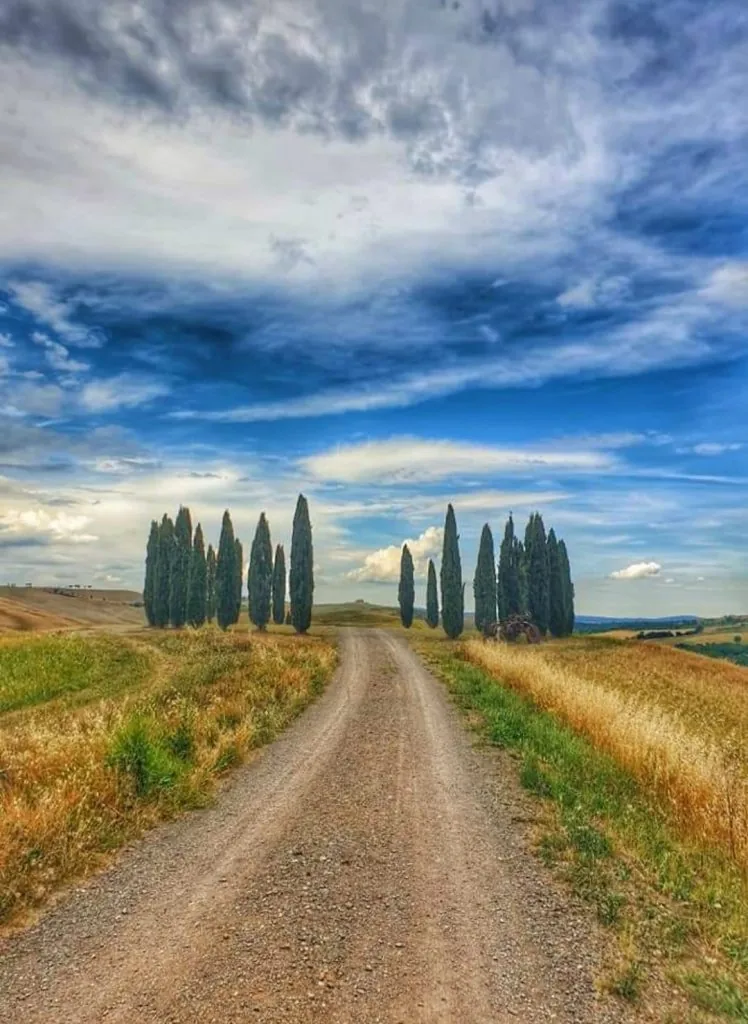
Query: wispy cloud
{"type": "Point", "coordinates": [403, 460]}
{"type": "Point", "coordinates": [124, 391]}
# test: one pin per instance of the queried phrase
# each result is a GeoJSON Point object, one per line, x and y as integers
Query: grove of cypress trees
{"type": "Point", "coordinates": [180, 569]}
{"type": "Point", "coordinates": [162, 574]}
{"type": "Point", "coordinates": [556, 601]}
{"type": "Point", "coordinates": [406, 592]}
{"type": "Point", "coordinates": [484, 581]}
{"type": "Point", "coordinates": [151, 558]}
{"type": "Point", "coordinates": [536, 557]}
{"type": "Point", "coordinates": [509, 596]}
{"type": "Point", "coordinates": [238, 578]}
{"type": "Point", "coordinates": [453, 611]}
{"type": "Point", "coordinates": [567, 588]}
{"type": "Point", "coordinates": [225, 589]}
{"type": "Point", "coordinates": [210, 584]}
{"type": "Point", "coordinates": [301, 577]}
{"type": "Point", "coordinates": [197, 593]}
{"type": "Point", "coordinates": [279, 586]}
{"type": "Point", "coordinates": [260, 577]}
{"type": "Point", "coordinates": [432, 598]}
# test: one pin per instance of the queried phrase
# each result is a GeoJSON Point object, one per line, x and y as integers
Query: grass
{"type": "Point", "coordinates": [734, 652]}
{"type": "Point", "coordinates": [675, 900]}
{"type": "Point", "coordinates": [80, 778]}
{"type": "Point", "coordinates": [35, 670]}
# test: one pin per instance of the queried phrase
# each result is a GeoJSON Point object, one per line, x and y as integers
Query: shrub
{"type": "Point", "coordinates": [140, 754]}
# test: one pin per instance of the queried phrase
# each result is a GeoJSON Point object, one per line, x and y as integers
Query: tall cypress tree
{"type": "Point", "coordinates": [210, 584]}
{"type": "Point", "coordinates": [238, 578]}
{"type": "Point", "coordinates": [151, 558]}
{"type": "Point", "coordinates": [162, 575]}
{"type": "Point", "coordinates": [226, 574]}
{"type": "Point", "coordinates": [453, 610]}
{"type": "Point", "coordinates": [432, 598]}
{"type": "Point", "coordinates": [556, 597]}
{"type": "Point", "coordinates": [197, 593]}
{"type": "Point", "coordinates": [568, 589]}
{"type": "Point", "coordinates": [406, 592]}
{"type": "Point", "coordinates": [536, 556]}
{"type": "Point", "coordinates": [521, 563]}
{"type": "Point", "coordinates": [301, 577]}
{"type": "Point", "coordinates": [279, 586]}
{"type": "Point", "coordinates": [180, 570]}
{"type": "Point", "coordinates": [510, 600]}
{"type": "Point", "coordinates": [260, 577]}
{"type": "Point", "coordinates": [484, 581]}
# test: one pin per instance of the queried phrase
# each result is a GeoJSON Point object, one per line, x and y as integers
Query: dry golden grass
{"type": "Point", "coordinates": [81, 775]}
{"type": "Point", "coordinates": [677, 722]}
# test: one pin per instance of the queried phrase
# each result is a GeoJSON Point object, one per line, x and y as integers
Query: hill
{"type": "Point", "coordinates": [35, 609]}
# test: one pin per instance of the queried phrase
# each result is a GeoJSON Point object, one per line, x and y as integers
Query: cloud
{"type": "Point", "coordinates": [38, 526]}
{"type": "Point", "coordinates": [30, 399]}
{"type": "Point", "coordinates": [6, 341]}
{"type": "Point", "coordinates": [58, 356]}
{"type": "Point", "coordinates": [39, 299]}
{"type": "Point", "coordinates": [383, 565]}
{"type": "Point", "coordinates": [125, 391]}
{"type": "Point", "coordinates": [715, 448]}
{"type": "Point", "coordinates": [729, 284]}
{"type": "Point", "coordinates": [403, 460]}
{"type": "Point", "coordinates": [637, 571]}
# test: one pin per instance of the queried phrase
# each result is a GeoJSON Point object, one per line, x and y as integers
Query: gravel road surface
{"type": "Point", "coordinates": [369, 866]}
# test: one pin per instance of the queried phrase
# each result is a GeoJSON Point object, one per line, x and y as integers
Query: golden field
{"type": "Point", "coordinates": [102, 736]}
{"type": "Point", "coordinates": [676, 721]}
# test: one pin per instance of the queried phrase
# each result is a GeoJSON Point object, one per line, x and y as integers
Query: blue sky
{"type": "Point", "coordinates": [390, 254]}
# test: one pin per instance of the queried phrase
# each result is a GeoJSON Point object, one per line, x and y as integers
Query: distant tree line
{"type": "Point", "coordinates": [532, 579]}
{"type": "Point", "coordinates": [185, 585]}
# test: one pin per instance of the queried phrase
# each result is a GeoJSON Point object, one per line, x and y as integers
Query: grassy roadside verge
{"type": "Point", "coordinates": [678, 908]}
{"type": "Point", "coordinates": [98, 761]}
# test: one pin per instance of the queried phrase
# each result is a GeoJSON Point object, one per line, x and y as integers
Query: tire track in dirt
{"type": "Point", "coordinates": [364, 868]}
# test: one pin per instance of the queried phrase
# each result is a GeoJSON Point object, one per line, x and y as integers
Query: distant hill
{"type": "Point", "coordinates": [35, 609]}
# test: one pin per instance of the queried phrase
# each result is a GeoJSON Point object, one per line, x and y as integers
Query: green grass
{"type": "Point", "coordinates": [679, 912]}
{"type": "Point", "coordinates": [735, 652]}
{"type": "Point", "coordinates": [40, 669]}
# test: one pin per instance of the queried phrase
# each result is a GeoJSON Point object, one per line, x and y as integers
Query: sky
{"type": "Point", "coordinates": [390, 253]}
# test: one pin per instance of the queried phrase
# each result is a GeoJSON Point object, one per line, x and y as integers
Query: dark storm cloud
{"type": "Point", "coordinates": [337, 67]}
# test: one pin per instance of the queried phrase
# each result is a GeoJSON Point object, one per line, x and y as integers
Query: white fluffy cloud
{"type": "Point", "coordinates": [39, 525]}
{"type": "Point", "coordinates": [729, 284]}
{"type": "Point", "coordinates": [383, 566]}
{"type": "Point", "coordinates": [58, 356]}
{"type": "Point", "coordinates": [408, 459]}
{"type": "Point", "coordinates": [637, 571]}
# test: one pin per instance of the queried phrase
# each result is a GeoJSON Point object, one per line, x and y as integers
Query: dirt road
{"type": "Point", "coordinates": [367, 867]}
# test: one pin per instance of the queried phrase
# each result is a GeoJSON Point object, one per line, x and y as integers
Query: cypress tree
{"type": "Point", "coordinates": [556, 597]}
{"type": "Point", "coordinates": [279, 586]}
{"type": "Point", "coordinates": [197, 593]}
{"type": "Point", "coordinates": [162, 574]}
{"type": "Point", "coordinates": [225, 588]}
{"type": "Point", "coordinates": [568, 589]}
{"type": "Point", "coordinates": [484, 581]}
{"type": "Point", "coordinates": [301, 577]}
{"type": "Point", "coordinates": [432, 598]}
{"type": "Point", "coordinates": [536, 557]}
{"type": "Point", "coordinates": [406, 593]}
{"type": "Point", "coordinates": [521, 563]}
{"type": "Point", "coordinates": [510, 600]}
{"type": "Point", "coordinates": [210, 584]}
{"type": "Point", "coordinates": [260, 578]}
{"type": "Point", "coordinates": [238, 578]}
{"type": "Point", "coordinates": [453, 611]}
{"type": "Point", "coordinates": [151, 557]}
{"type": "Point", "coordinates": [180, 571]}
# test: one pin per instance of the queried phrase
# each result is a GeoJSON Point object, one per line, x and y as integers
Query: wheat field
{"type": "Point", "coordinates": [676, 721]}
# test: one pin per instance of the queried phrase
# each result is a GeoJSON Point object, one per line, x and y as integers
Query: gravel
{"type": "Point", "coordinates": [369, 866]}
